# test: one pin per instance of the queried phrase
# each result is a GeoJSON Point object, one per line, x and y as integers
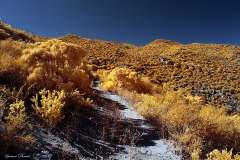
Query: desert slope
{"type": "Point", "coordinates": [208, 70]}
{"type": "Point", "coordinates": [189, 93]}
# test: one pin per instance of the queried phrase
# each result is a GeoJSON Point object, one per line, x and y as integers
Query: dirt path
{"type": "Point", "coordinates": [145, 142]}
{"type": "Point", "coordinates": [109, 129]}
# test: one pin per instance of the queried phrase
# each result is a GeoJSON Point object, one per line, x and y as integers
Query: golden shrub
{"type": "Point", "coordinates": [87, 102]}
{"type": "Point", "coordinates": [195, 155]}
{"type": "Point", "coordinates": [16, 117]}
{"type": "Point", "coordinates": [56, 65]}
{"type": "Point", "coordinates": [147, 105]}
{"type": "Point", "coordinates": [191, 122]}
{"type": "Point", "coordinates": [218, 125]}
{"type": "Point", "coordinates": [12, 48]}
{"type": "Point", "coordinates": [7, 63]}
{"type": "Point", "coordinates": [50, 109]}
{"type": "Point", "coordinates": [124, 78]}
{"type": "Point", "coordinates": [16, 121]}
{"type": "Point", "coordinates": [224, 155]}
{"type": "Point", "coordinates": [174, 96]}
{"type": "Point", "coordinates": [195, 99]}
{"type": "Point", "coordinates": [9, 70]}
{"type": "Point", "coordinates": [109, 85]}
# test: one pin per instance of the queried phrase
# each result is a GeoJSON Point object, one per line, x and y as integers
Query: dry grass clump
{"type": "Point", "coordinates": [10, 32]}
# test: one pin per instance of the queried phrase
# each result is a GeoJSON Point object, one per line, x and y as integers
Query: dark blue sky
{"type": "Point", "coordinates": [131, 21]}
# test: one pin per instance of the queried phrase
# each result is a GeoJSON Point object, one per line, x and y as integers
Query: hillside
{"type": "Point", "coordinates": [201, 69]}
{"type": "Point", "coordinates": [189, 93]}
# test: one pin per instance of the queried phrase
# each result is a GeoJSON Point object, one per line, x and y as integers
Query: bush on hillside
{"type": "Point", "coordinates": [200, 128]}
{"type": "Point", "coordinates": [124, 78]}
{"type": "Point", "coordinates": [50, 107]}
{"type": "Point", "coordinates": [16, 122]}
{"type": "Point", "coordinates": [224, 155]}
{"type": "Point", "coordinates": [9, 70]}
{"type": "Point", "coordinates": [56, 65]}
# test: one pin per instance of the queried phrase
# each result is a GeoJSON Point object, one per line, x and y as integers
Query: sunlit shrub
{"type": "Point", "coordinates": [13, 48]}
{"type": "Point", "coordinates": [87, 102]}
{"type": "Point", "coordinates": [189, 121]}
{"type": "Point", "coordinates": [16, 117]}
{"type": "Point", "coordinates": [9, 70]}
{"type": "Point", "coordinates": [56, 65]}
{"type": "Point", "coordinates": [124, 78]}
{"type": "Point", "coordinates": [224, 155]}
{"type": "Point", "coordinates": [16, 121]}
{"type": "Point", "coordinates": [219, 127]}
{"type": "Point", "coordinates": [50, 107]}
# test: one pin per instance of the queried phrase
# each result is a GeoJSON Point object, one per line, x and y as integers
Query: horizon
{"type": "Point", "coordinates": [133, 22]}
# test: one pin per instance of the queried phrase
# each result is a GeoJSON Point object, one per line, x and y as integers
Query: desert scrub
{"type": "Point", "coordinates": [16, 124]}
{"type": "Point", "coordinates": [9, 70]}
{"type": "Point", "coordinates": [124, 78]}
{"type": "Point", "coordinates": [224, 155]}
{"type": "Point", "coordinates": [56, 65]}
{"type": "Point", "coordinates": [15, 33]}
{"type": "Point", "coordinates": [87, 102]}
{"type": "Point", "coordinates": [198, 127]}
{"type": "Point", "coordinates": [12, 48]}
{"type": "Point", "coordinates": [51, 106]}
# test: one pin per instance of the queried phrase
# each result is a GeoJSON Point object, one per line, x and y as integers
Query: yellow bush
{"type": "Point", "coordinates": [190, 122]}
{"type": "Point", "coordinates": [171, 97]}
{"type": "Point", "coordinates": [88, 102]}
{"type": "Point", "coordinates": [124, 78]}
{"type": "Point", "coordinates": [109, 85]}
{"type": "Point", "coordinates": [224, 155]}
{"type": "Point", "coordinates": [9, 70]}
{"type": "Point", "coordinates": [147, 105]}
{"type": "Point", "coordinates": [216, 124]}
{"type": "Point", "coordinates": [56, 65]}
{"type": "Point", "coordinates": [15, 122]}
{"type": "Point", "coordinates": [51, 106]}
{"type": "Point", "coordinates": [195, 155]}
{"type": "Point", "coordinates": [7, 63]}
{"type": "Point", "coordinates": [16, 117]}
{"type": "Point", "coordinates": [12, 48]}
